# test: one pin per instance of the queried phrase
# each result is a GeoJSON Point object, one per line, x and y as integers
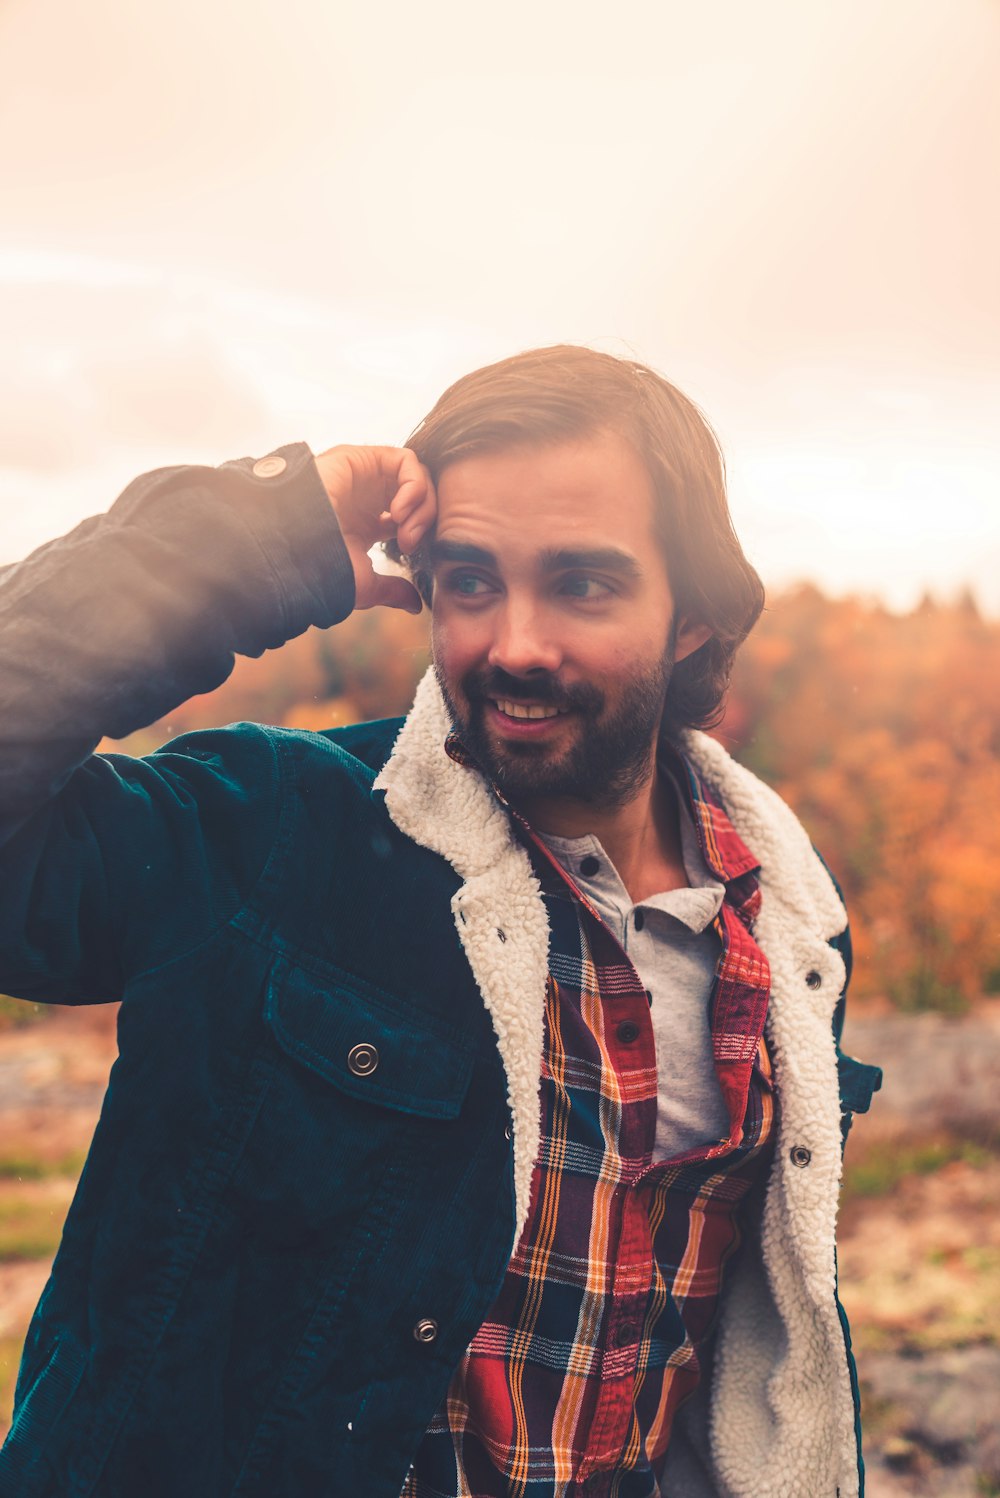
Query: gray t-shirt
{"type": "Point", "coordinates": [671, 941]}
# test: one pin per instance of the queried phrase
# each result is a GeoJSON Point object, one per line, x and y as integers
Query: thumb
{"type": "Point", "coordinates": [394, 593]}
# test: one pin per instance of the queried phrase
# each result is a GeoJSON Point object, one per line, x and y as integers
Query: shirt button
{"type": "Point", "coordinates": [640, 920]}
{"type": "Point", "coordinates": [627, 1032]}
{"type": "Point", "coordinates": [362, 1060]}
{"type": "Point", "coordinates": [425, 1330]}
{"type": "Point", "coordinates": [590, 866]}
{"type": "Point", "coordinates": [626, 1333]}
{"type": "Point", "coordinates": [269, 468]}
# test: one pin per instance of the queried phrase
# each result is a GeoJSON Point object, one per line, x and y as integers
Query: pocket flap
{"type": "Point", "coordinates": [367, 1044]}
{"type": "Point", "coordinates": [858, 1081]}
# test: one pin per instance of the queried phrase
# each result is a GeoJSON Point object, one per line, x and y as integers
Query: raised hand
{"type": "Point", "coordinates": [379, 493]}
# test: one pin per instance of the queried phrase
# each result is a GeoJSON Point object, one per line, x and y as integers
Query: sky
{"type": "Point", "coordinates": [227, 226]}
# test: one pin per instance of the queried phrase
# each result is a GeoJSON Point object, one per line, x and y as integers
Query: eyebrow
{"type": "Point", "coordinates": [562, 559]}
{"type": "Point", "coordinates": [595, 559]}
{"type": "Point", "coordinates": [460, 551]}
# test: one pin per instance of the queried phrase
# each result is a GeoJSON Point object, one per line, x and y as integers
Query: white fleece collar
{"type": "Point", "coordinates": [498, 911]}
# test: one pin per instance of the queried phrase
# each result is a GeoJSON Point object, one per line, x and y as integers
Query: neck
{"type": "Point", "coordinates": [641, 836]}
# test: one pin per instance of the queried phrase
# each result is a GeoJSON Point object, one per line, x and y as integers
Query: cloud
{"type": "Point", "coordinates": [85, 368]}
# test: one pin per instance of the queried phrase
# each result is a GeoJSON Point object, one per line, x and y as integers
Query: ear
{"type": "Point", "coordinates": [691, 635]}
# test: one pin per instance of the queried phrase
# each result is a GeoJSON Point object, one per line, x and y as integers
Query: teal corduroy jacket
{"type": "Point", "coordinates": [313, 1155]}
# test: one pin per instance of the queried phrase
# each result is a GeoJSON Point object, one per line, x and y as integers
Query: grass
{"type": "Point", "coordinates": [881, 1168]}
{"type": "Point", "coordinates": [30, 1226]}
{"type": "Point", "coordinates": [17, 1167]}
{"type": "Point", "coordinates": [16, 1013]}
{"type": "Point", "coordinates": [10, 1359]}
{"type": "Point", "coordinates": [34, 1199]}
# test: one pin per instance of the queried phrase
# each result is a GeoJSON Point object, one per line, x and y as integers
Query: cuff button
{"type": "Point", "coordinates": [269, 468]}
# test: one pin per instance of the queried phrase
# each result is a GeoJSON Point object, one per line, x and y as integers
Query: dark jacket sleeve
{"type": "Point", "coordinates": [106, 863]}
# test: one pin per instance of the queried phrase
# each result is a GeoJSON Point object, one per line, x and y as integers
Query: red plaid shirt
{"type": "Point", "coordinates": [572, 1382]}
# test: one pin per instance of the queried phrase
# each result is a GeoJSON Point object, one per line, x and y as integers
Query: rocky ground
{"type": "Point", "coordinates": [920, 1227]}
{"type": "Point", "coordinates": [920, 1253]}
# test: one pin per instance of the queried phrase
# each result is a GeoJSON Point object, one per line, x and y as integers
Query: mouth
{"type": "Point", "coordinates": [525, 711]}
{"type": "Point", "coordinates": [524, 722]}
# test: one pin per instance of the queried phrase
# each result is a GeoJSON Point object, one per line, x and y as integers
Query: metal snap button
{"type": "Point", "coordinates": [799, 1155]}
{"type": "Point", "coordinates": [425, 1330]}
{"type": "Point", "coordinates": [814, 979]}
{"type": "Point", "coordinates": [502, 934]}
{"type": "Point", "coordinates": [269, 468]}
{"type": "Point", "coordinates": [362, 1060]}
{"type": "Point", "coordinates": [507, 1132]}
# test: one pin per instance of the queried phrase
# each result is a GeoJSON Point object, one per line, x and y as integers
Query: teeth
{"type": "Point", "coordinates": [523, 710]}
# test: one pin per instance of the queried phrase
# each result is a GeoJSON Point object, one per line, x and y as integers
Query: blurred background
{"type": "Point", "coordinates": [226, 227]}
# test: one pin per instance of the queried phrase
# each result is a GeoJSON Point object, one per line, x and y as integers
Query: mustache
{"type": "Point", "coordinates": [486, 685]}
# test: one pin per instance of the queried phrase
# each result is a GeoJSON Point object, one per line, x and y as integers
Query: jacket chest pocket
{"type": "Point", "coordinates": [359, 1123]}
{"type": "Point", "coordinates": [363, 1041]}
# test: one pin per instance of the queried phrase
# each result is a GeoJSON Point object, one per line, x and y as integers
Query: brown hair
{"type": "Point", "coordinates": [551, 394]}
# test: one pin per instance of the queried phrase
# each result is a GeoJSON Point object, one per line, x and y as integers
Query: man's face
{"type": "Point", "coordinates": [553, 626]}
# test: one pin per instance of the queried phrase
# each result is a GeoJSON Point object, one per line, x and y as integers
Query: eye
{"type": "Point", "coordinates": [587, 589]}
{"type": "Point", "coordinates": [466, 584]}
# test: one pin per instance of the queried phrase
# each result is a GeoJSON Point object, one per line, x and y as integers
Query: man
{"type": "Point", "coordinates": [448, 1151]}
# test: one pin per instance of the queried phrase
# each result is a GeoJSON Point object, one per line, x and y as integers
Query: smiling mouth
{"type": "Point", "coordinates": [526, 710]}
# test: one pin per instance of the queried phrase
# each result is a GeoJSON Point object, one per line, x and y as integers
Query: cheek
{"type": "Point", "coordinates": [456, 644]}
{"type": "Point", "coordinates": [613, 660]}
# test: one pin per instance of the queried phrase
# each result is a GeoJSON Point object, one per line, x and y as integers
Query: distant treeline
{"type": "Point", "coordinates": [881, 730]}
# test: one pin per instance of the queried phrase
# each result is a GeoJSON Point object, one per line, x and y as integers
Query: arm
{"type": "Point", "coordinates": [103, 859]}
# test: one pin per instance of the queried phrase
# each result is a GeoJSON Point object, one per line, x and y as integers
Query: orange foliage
{"type": "Point", "coordinates": [883, 731]}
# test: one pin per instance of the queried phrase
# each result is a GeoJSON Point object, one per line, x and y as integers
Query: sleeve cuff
{"type": "Point", "coordinates": [284, 503]}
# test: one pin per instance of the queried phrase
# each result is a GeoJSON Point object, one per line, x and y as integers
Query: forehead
{"type": "Point", "coordinates": [523, 500]}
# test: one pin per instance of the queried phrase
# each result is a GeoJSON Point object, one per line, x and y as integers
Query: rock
{"type": "Point", "coordinates": [942, 1409]}
{"type": "Point", "coordinates": [957, 1091]}
{"type": "Point", "coordinates": [900, 1454]}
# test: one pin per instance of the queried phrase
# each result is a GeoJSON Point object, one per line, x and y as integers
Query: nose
{"type": "Point", "coordinates": [523, 643]}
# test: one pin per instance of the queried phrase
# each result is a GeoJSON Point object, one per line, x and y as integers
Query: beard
{"type": "Point", "coordinates": [611, 755]}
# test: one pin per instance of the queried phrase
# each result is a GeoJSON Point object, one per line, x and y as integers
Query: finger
{"type": "Point", "coordinates": [393, 593]}
{"type": "Point", "coordinates": [414, 487]}
{"type": "Point", "coordinates": [418, 519]}
{"type": "Point", "coordinates": [399, 470]}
